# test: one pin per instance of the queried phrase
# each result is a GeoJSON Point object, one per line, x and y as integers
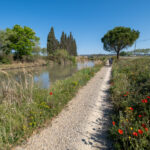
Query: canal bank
{"type": "Point", "coordinates": [83, 124]}
{"type": "Point", "coordinates": [31, 107]}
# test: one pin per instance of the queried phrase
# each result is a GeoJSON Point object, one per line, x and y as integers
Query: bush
{"type": "Point", "coordinates": [130, 95]}
{"type": "Point", "coordinates": [5, 59]}
{"type": "Point", "coordinates": [61, 56]}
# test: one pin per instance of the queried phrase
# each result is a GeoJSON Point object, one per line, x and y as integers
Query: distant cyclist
{"type": "Point", "coordinates": [110, 61]}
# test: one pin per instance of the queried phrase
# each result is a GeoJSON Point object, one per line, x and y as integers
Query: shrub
{"type": "Point", "coordinates": [5, 59]}
{"type": "Point", "coordinates": [131, 98]}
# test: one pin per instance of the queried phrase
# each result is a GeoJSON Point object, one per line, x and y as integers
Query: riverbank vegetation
{"type": "Point", "coordinates": [130, 95]}
{"type": "Point", "coordinates": [21, 45]}
{"type": "Point", "coordinates": [24, 107]}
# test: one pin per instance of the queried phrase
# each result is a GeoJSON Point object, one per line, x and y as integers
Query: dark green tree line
{"type": "Point", "coordinates": [67, 43]}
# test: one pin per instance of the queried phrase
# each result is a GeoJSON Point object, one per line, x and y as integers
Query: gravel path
{"type": "Point", "coordinates": [83, 124]}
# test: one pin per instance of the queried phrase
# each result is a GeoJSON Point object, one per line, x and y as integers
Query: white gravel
{"type": "Point", "coordinates": [83, 124]}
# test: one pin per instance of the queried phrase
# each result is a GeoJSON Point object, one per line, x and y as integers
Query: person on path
{"type": "Point", "coordinates": [110, 61]}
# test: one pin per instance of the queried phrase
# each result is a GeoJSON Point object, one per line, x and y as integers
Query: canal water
{"type": "Point", "coordinates": [46, 75]}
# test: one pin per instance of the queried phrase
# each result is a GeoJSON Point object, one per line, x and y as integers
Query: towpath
{"type": "Point", "coordinates": [83, 124]}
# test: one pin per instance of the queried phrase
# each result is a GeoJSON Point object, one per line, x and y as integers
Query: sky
{"type": "Point", "coordinates": [88, 20]}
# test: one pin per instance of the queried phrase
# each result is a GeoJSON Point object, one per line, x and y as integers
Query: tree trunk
{"type": "Point", "coordinates": [118, 55]}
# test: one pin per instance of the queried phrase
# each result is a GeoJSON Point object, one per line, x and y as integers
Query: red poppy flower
{"type": "Point", "coordinates": [144, 101]}
{"type": "Point", "coordinates": [50, 93]}
{"type": "Point", "coordinates": [143, 125]}
{"type": "Point", "coordinates": [140, 116]}
{"type": "Point", "coordinates": [148, 96]}
{"type": "Point", "coordinates": [135, 133]}
{"type": "Point", "coordinates": [140, 131]}
{"type": "Point", "coordinates": [125, 95]}
{"type": "Point", "coordinates": [120, 131]}
{"type": "Point", "coordinates": [146, 129]}
{"type": "Point", "coordinates": [113, 123]}
{"type": "Point", "coordinates": [131, 108]}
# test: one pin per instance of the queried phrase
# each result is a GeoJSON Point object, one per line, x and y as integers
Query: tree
{"type": "Point", "coordinates": [70, 44]}
{"type": "Point", "coordinates": [62, 41]}
{"type": "Point", "coordinates": [5, 42]}
{"type": "Point", "coordinates": [123, 53]}
{"type": "Point", "coordinates": [74, 48]}
{"type": "Point", "coordinates": [66, 41]}
{"type": "Point", "coordinates": [44, 51]}
{"type": "Point", "coordinates": [22, 40]}
{"type": "Point", "coordinates": [119, 38]}
{"type": "Point", "coordinates": [36, 50]}
{"type": "Point", "coordinates": [52, 42]}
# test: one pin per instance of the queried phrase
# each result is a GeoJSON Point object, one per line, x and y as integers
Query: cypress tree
{"type": "Point", "coordinates": [62, 41]}
{"type": "Point", "coordinates": [66, 42]}
{"type": "Point", "coordinates": [74, 48]}
{"type": "Point", "coordinates": [52, 42]}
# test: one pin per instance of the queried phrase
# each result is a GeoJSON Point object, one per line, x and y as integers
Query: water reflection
{"type": "Point", "coordinates": [45, 76]}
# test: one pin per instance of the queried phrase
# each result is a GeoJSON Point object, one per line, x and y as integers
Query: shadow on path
{"type": "Point", "coordinates": [99, 138]}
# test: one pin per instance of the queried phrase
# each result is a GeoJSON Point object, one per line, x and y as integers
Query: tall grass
{"type": "Point", "coordinates": [130, 94]}
{"type": "Point", "coordinates": [25, 107]}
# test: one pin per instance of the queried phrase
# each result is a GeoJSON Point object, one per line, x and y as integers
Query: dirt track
{"type": "Point", "coordinates": [83, 124]}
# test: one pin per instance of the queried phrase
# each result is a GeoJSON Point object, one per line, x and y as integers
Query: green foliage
{"type": "Point", "coordinates": [52, 42]}
{"type": "Point", "coordinates": [36, 50]}
{"type": "Point", "coordinates": [22, 40]}
{"type": "Point", "coordinates": [140, 51]}
{"type": "Point", "coordinates": [130, 95]}
{"type": "Point", "coordinates": [69, 44]}
{"type": "Point", "coordinates": [4, 59]}
{"type": "Point", "coordinates": [119, 38]}
{"type": "Point", "coordinates": [63, 41]}
{"type": "Point", "coordinates": [33, 106]}
{"type": "Point", "coordinates": [5, 43]}
{"type": "Point", "coordinates": [44, 51]}
{"type": "Point", "coordinates": [123, 53]}
{"type": "Point", "coordinates": [62, 55]}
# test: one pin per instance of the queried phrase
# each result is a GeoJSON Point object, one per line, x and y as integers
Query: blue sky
{"type": "Point", "coordinates": [88, 20]}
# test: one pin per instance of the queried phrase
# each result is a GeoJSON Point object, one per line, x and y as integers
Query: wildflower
{"type": "Point", "coordinates": [113, 123]}
{"type": "Point", "coordinates": [131, 128]}
{"type": "Point", "coordinates": [24, 127]}
{"type": "Point", "coordinates": [144, 101]}
{"type": "Point", "coordinates": [148, 96]}
{"type": "Point", "coordinates": [125, 94]}
{"type": "Point", "coordinates": [50, 93]}
{"type": "Point", "coordinates": [129, 137]}
{"type": "Point", "coordinates": [30, 123]}
{"type": "Point", "coordinates": [120, 131]}
{"type": "Point", "coordinates": [146, 129]}
{"type": "Point", "coordinates": [140, 131]}
{"type": "Point", "coordinates": [143, 125]}
{"type": "Point", "coordinates": [140, 116]}
{"type": "Point", "coordinates": [135, 133]}
{"type": "Point", "coordinates": [131, 108]}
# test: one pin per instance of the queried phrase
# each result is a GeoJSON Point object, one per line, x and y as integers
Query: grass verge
{"type": "Point", "coordinates": [27, 107]}
{"type": "Point", "coordinates": [130, 94]}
